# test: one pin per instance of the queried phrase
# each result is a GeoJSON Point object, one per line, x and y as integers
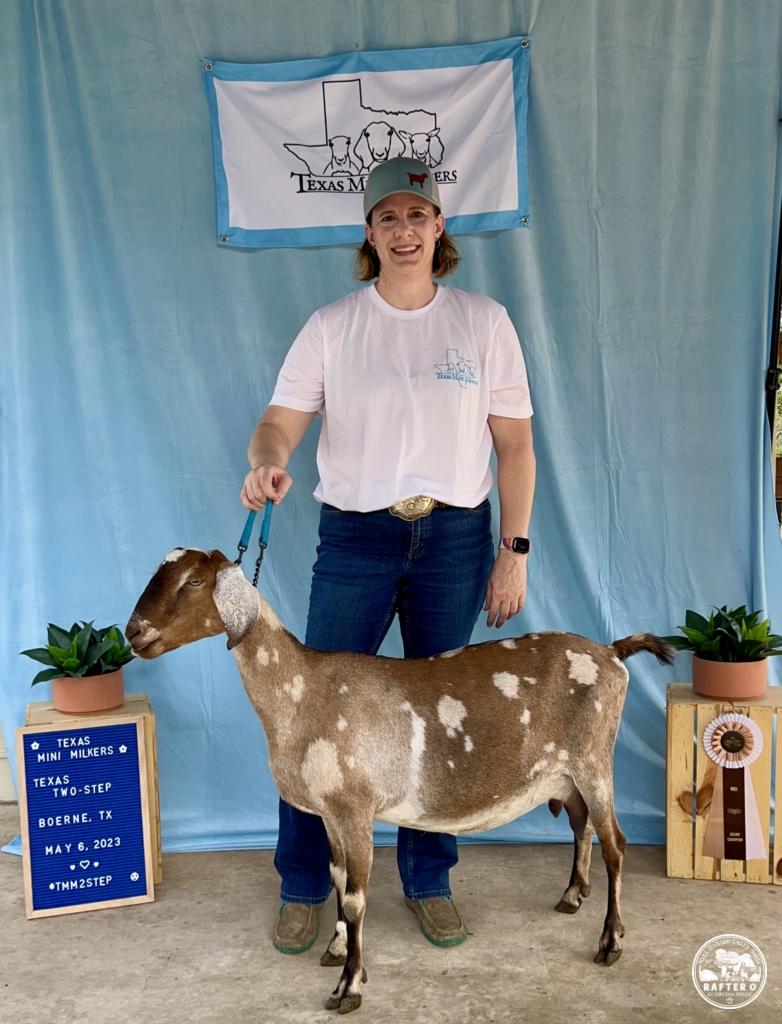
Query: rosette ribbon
{"type": "Point", "coordinates": [733, 832]}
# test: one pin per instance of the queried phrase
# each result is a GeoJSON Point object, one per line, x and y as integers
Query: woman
{"type": "Point", "coordinates": [416, 383]}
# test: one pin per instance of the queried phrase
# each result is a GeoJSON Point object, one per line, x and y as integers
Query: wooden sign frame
{"type": "Point", "coordinates": [148, 895]}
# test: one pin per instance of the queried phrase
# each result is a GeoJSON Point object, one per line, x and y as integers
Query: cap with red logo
{"type": "Point", "coordinates": [401, 174]}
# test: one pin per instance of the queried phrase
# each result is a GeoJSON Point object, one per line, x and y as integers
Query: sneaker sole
{"type": "Point", "coordinates": [293, 950]}
{"type": "Point", "coordinates": [457, 940]}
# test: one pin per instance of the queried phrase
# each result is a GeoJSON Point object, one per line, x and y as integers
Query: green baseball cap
{"type": "Point", "coordinates": [401, 174]}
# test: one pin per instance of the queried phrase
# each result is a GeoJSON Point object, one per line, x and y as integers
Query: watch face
{"type": "Point", "coordinates": [520, 545]}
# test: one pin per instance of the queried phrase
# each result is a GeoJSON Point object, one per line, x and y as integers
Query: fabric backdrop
{"type": "Point", "coordinates": [137, 355]}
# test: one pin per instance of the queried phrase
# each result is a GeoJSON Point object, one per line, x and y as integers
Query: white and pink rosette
{"type": "Point", "coordinates": [733, 832]}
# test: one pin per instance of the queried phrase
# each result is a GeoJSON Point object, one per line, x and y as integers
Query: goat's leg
{"type": "Point", "coordinates": [335, 953]}
{"type": "Point", "coordinates": [355, 839]}
{"type": "Point", "coordinates": [578, 886]}
{"type": "Point", "coordinates": [598, 796]}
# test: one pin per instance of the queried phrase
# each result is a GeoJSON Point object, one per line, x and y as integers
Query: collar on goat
{"type": "Point", "coordinates": [263, 540]}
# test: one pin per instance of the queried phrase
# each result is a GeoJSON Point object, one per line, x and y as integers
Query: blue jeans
{"type": "Point", "coordinates": [433, 573]}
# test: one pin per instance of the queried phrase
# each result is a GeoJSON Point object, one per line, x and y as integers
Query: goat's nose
{"type": "Point", "coordinates": [133, 628]}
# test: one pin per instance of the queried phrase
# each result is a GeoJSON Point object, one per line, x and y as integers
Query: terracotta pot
{"type": "Point", "coordinates": [90, 694]}
{"type": "Point", "coordinates": [729, 680]}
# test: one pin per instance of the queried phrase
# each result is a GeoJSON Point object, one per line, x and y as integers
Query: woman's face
{"type": "Point", "coordinates": [403, 230]}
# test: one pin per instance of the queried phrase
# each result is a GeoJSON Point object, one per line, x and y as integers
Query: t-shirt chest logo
{"type": "Point", "coordinates": [457, 367]}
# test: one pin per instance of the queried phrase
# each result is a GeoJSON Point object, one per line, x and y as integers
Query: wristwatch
{"type": "Point", "coordinates": [519, 545]}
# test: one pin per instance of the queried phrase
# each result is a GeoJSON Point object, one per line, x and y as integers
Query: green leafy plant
{"type": "Point", "coordinates": [729, 634]}
{"type": "Point", "coordinates": [80, 651]}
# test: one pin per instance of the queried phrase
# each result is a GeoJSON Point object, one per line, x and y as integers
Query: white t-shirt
{"type": "Point", "coordinates": [405, 395]}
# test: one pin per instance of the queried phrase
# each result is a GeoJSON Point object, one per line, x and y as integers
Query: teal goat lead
{"type": "Point", "coordinates": [263, 540]}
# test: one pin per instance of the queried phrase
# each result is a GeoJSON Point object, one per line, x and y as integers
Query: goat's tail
{"type": "Point", "coordinates": [655, 645]}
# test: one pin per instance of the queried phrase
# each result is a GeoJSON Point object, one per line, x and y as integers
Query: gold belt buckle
{"type": "Point", "coordinates": [417, 507]}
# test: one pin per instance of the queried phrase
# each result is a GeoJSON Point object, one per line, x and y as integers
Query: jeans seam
{"type": "Point", "coordinates": [309, 900]}
{"type": "Point", "coordinates": [430, 894]}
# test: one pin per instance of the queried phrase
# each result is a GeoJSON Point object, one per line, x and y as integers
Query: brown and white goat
{"type": "Point", "coordinates": [458, 743]}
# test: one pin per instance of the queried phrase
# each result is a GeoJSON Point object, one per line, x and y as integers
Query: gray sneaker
{"type": "Point", "coordinates": [296, 928]}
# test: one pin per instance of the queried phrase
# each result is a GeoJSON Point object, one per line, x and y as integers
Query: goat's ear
{"type": "Point", "coordinates": [238, 603]}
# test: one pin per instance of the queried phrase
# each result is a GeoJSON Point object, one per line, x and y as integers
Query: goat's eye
{"type": "Point", "coordinates": [195, 582]}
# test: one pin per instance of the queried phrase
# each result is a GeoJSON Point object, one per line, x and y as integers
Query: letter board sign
{"type": "Point", "coordinates": [85, 816]}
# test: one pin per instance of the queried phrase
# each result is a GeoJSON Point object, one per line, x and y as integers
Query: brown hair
{"type": "Point", "coordinates": [446, 258]}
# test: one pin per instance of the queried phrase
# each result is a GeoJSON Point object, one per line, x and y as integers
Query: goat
{"type": "Point", "coordinates": [425, 146]}
{"type": "Point", "coordinates": [341, 161]}
{"type": "Point", "coordinates": [377, 142]}
{"type": "Point", "coordinates": [458, 743]}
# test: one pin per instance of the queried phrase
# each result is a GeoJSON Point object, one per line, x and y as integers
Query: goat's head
{"type": "Point", "coordinates": [193, 594]}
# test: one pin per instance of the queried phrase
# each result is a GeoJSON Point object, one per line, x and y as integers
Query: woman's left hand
{"type": "Point", "coordinates": [507, 588]}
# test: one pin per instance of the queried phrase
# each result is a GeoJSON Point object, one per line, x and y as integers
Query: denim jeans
{"type": "Point", "coordinates": [433, 573]}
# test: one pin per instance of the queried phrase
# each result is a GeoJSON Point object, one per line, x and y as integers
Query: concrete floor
{"type": "Point", "coordinates": [201, 951]}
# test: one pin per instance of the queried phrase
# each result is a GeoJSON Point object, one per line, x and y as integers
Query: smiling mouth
{"type": "Point", "coordinates": [405, 250]}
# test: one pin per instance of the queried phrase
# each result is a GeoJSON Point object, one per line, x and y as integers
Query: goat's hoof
{"type": "Point", "coordinates": [344, 1004]}
{"type": "Point", "coordinates": [608, 955]}
{"type": "Point", "coordinates": [330, 959]}
{"type": "Point", "coordinates": [567, 908]}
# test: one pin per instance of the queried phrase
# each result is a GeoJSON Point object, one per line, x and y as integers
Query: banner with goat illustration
{"type": "Point", "coordinates": [295, 141]}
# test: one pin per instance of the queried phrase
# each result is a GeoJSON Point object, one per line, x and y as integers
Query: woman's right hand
{"type": "Point", "coordinates": [265, 482]}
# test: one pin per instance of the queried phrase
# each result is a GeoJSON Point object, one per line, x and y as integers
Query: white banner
{"type": "Point", "coordinates": [294, 142]}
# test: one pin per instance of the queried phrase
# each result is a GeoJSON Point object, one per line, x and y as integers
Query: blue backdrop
{"type": "Point", "coordinates": [137, 355]}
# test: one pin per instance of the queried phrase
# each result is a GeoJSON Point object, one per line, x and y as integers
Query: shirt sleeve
{"type": "Point", "coordinates": [300, 381]}
{"type": "Point", "coordinates": [509, 387]}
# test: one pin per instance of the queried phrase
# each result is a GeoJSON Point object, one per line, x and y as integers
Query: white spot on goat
{"type": "Point", "coordinates": [341, 724]}
{"type": "Point", "coordinates": [350, 761]}
{"type": "Point", "coordinates": [295, 688]}
{"type": "Point", "coordinates": [451, 765]}
{"type": "Point", "coordinates": [175, 555]}
{"type": "Point", "coordinates": [538, 766]}
{"type": "Point", "coordinates": [572, 690]}
{"type": "Point", "coordinates": [525, 716]}
{"type": "Point", "coordinates": [583, 668]}
{"type": "Point", "coordinates": [530, 679]}
{"type": "Point", "coordinates": [451, 714]}
{"type": "Point", "coordinates": [275, 657]}
{"type": "Point", "coordinates": [534, 636]}
{"type": "Point", "coordinates": [453, 653]}
{"type": "Point", "coordinates": [343, 688]}
{"type": "Point", "coordinates": [339, 876]}
{"type": "Point", "coordinates": [339, 944]}
{"type": "Point", "coordinates": [468, 744]}
{"type": "Point", "coordinates": [409, 808]}
{"type": "Point", "coordinates": [563, 755]}
{"type": "Point", "coordinates": [507, 683]}
{"type": "Point", "coordinates": [263, 656]}
{"type": "Point", "coordinates": [321, 772]}
{"type": "Point", "coordinates": [509, 644]}
{"type": "Point", "coordinates": [353, 904]}
{"type": "Point", "coordinates": [598, 707]}
{"type": "Point", "coordinates": [550, 748]}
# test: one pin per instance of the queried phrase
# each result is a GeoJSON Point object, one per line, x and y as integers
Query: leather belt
{"type": "Point", "coordinates": [417, 507]}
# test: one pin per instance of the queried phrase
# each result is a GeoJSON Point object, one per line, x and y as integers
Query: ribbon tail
{"type": "Point", "coordinates": [756, 843]}
{"type": "Point", "coordinates": [714, 836]}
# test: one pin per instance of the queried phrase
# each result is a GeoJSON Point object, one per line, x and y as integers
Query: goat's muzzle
{"type": "Point", "coordinates": [141, 637]}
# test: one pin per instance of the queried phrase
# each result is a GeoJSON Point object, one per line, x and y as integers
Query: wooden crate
{"type": "Point", "coordinates": [690, 778]}
{"type": "Point", "coordinates": [135, 704]}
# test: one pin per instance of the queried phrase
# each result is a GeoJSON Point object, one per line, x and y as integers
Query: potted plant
{"type": "Point", "coordinates": [84, 665]}
{"type": "Point", "coordinates": [730, 649]}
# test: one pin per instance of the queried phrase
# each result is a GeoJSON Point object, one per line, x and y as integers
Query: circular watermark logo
{"type": "Point", "coordinates": [729, 971]}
